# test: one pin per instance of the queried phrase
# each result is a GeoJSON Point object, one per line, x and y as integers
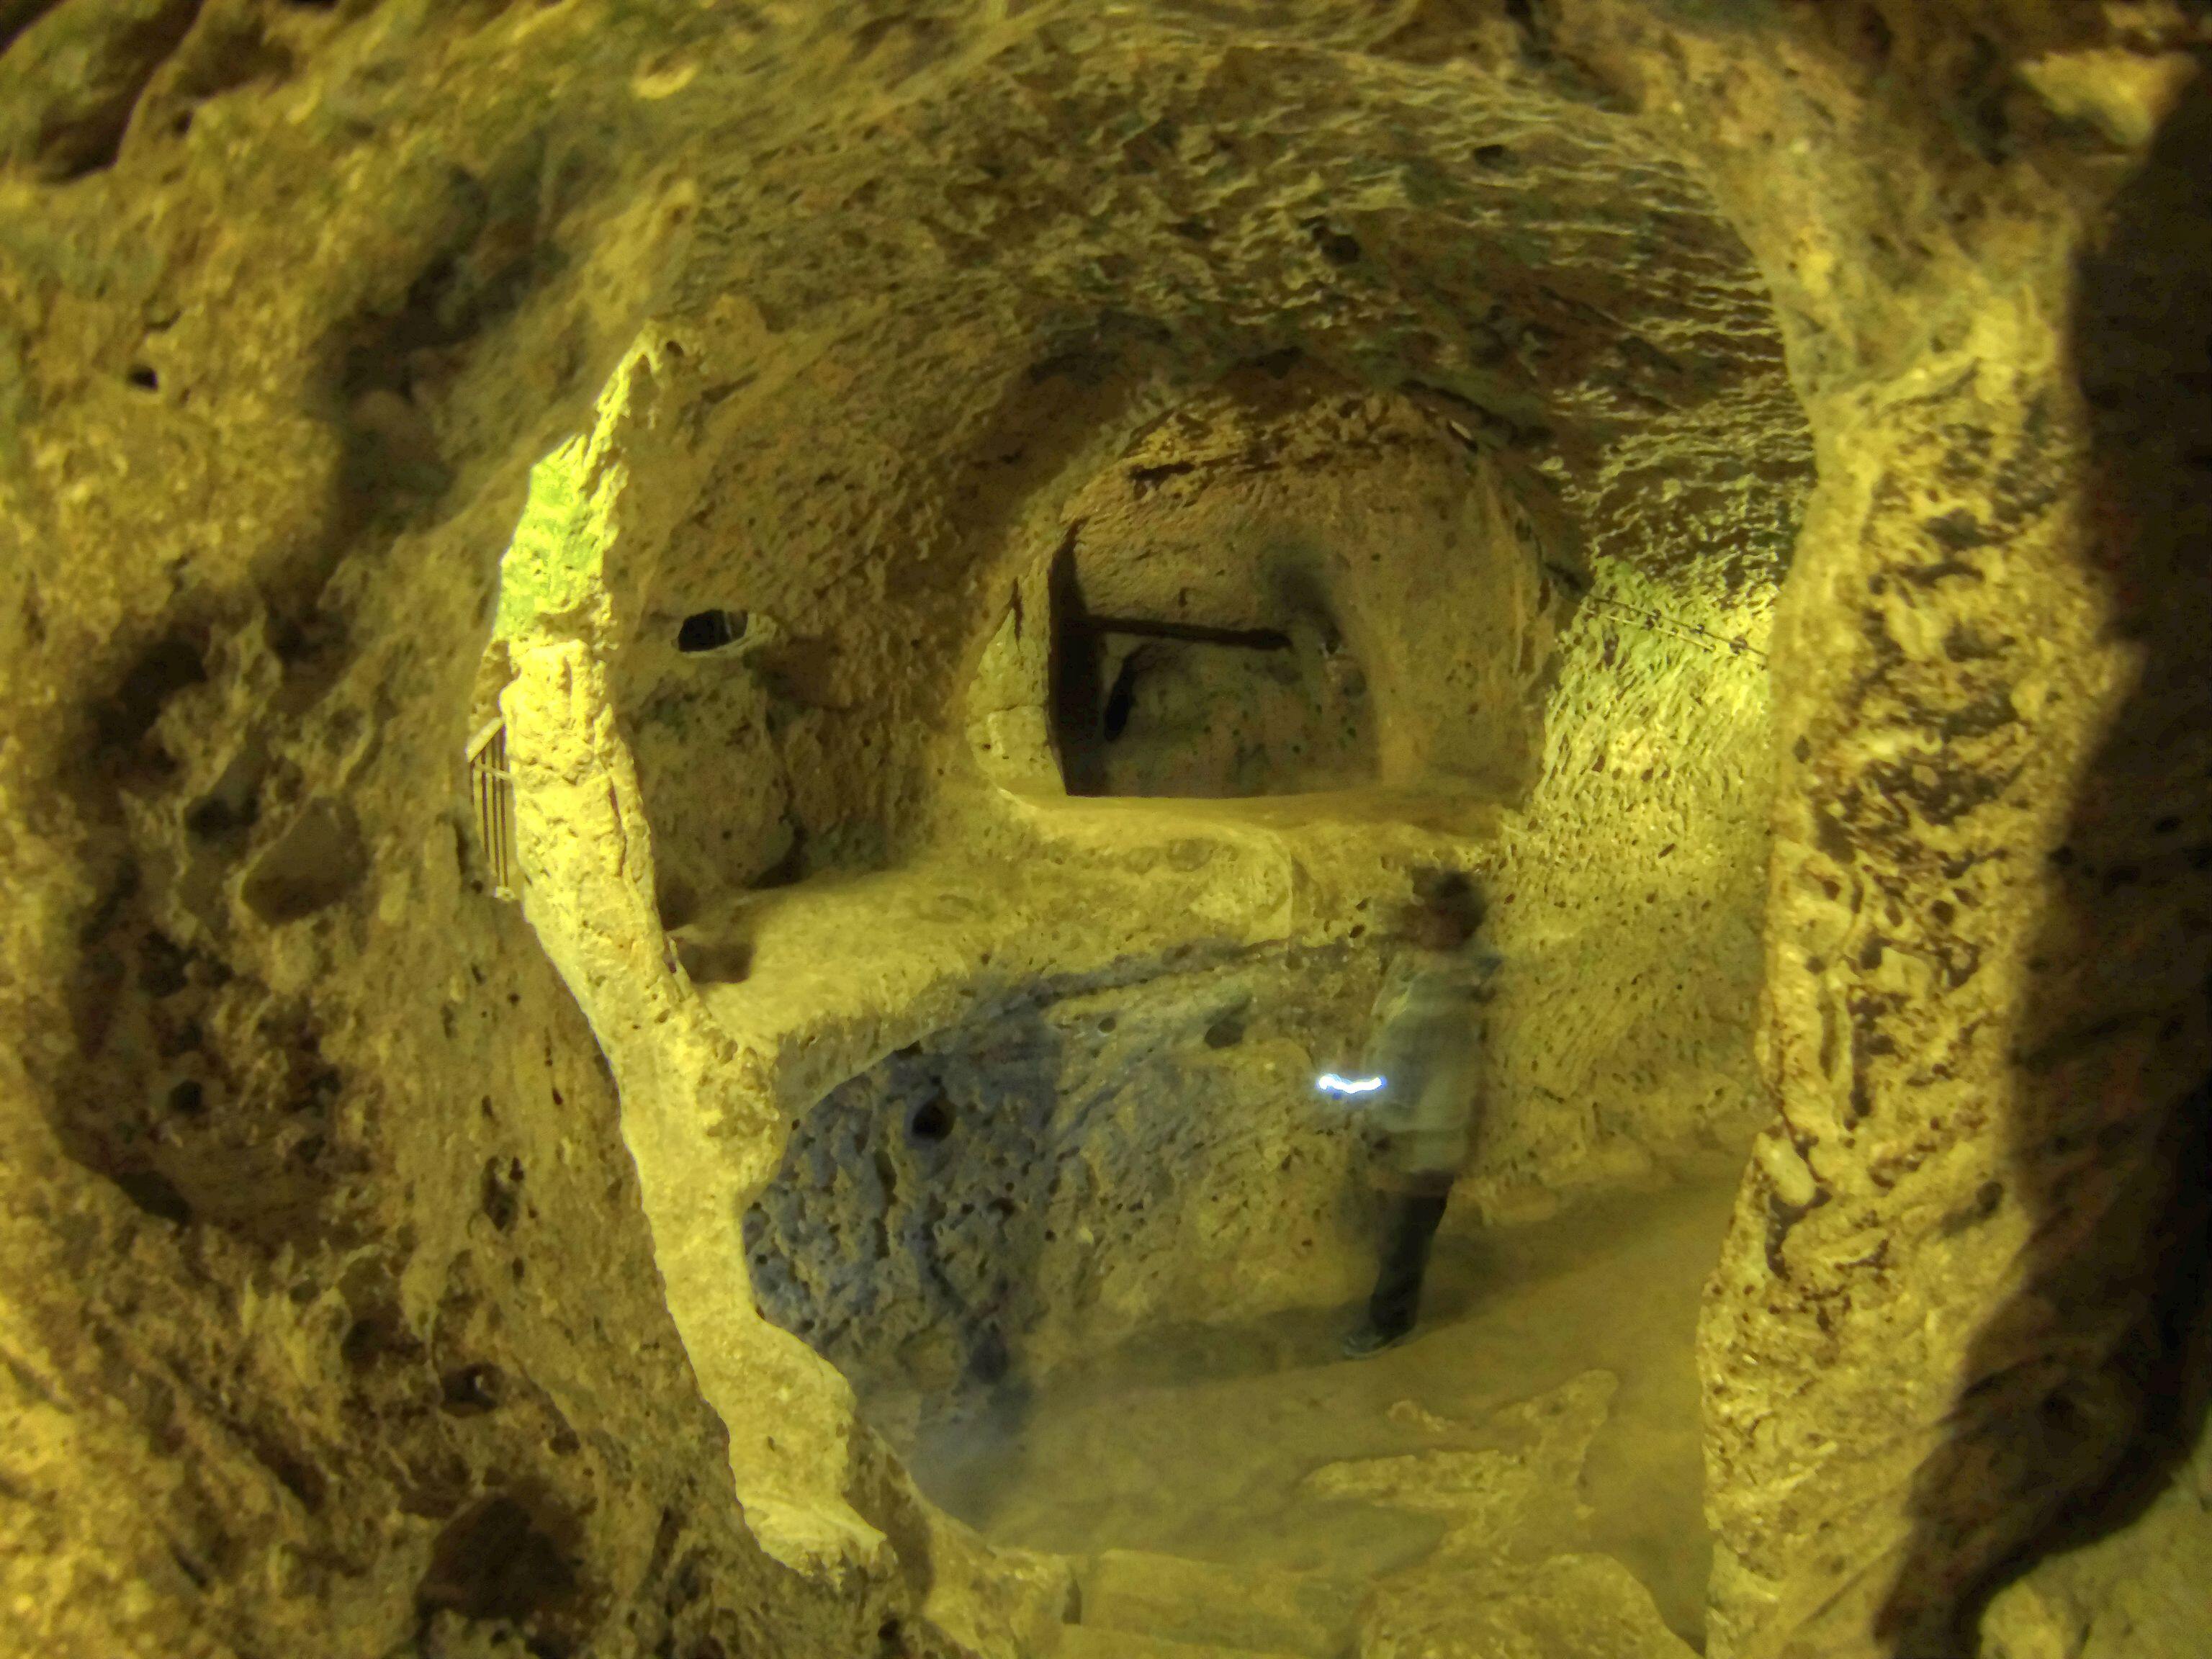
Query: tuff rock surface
{"type": "Point", "coordinates": [1734, 478]}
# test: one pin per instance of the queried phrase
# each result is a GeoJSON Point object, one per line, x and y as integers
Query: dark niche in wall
{"type": "Point", "coordinates": [710, 630]}
{"type": "Point", "coordinates": [1141, 706]}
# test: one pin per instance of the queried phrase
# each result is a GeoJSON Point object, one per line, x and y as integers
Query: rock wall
{"type": "Point", "coordinates": [1948, 1332]}
{"type": "Point", "coordinates": [1631, 892]}
{"type": "Point", "coordinates": [1039, 1183]}
{"type": "Point", "coordinates": [331, 1320]}
{"type": "Point", "coordinates": [338, 1306]}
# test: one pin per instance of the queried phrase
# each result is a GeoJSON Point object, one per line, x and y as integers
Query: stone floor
{"type": "Point", "coordinates": [1538, 1435]}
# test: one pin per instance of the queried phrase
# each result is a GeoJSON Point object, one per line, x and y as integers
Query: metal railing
{"type": "Point", "coordinates": [491, 788]}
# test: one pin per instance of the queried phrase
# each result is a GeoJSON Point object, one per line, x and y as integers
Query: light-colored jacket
{"type": "Point", "coordinates": [1425, 1047]}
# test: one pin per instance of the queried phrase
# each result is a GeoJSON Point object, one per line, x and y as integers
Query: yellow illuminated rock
{"type": "Point", "coordinates": [708, 712]}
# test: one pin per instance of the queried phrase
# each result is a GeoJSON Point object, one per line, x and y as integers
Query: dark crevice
{"type": "Point", "coordinates": [1077, 697]}
{"type": "Point", "coordinates": [155, 1194]}
{"type": "Point", "coordinates": [790, 867]}
{"type": "Point", "coordinates": [82, 129]}
{"type": "Point", "coordinates": [1121, 698]}
{"type": "Point", "coordinates": [390, 365]}
{"type": "Point", "coordinates": [16, 15]}
{"type": "Point", "coordinates": [710, 630]}
{"type": "Point", "coordinates": [1245, 639]}
{"type": "Point", "coordinates": [496, 1560]}
{"type": "Point", "coordinates": [163, 669]}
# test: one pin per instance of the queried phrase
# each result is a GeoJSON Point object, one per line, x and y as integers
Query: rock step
{"type": "Point", "coordinates": [1095, 1642]}
{"type": "Point", "coordinates": [1204, 1604]}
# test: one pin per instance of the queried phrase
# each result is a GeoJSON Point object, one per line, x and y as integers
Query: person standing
{"type": "Point", "coordinates": [1423, 1051]}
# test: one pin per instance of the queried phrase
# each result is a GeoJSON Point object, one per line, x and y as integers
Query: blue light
{"type": "Point", "coordinates": [1330, 1084]}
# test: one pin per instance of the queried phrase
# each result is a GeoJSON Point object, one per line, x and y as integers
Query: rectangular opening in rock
{"type": "Point", "coordinates": [1162, 709]}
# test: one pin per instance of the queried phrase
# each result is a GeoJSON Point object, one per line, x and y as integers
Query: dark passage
{"type": "Point", "coordinates": [1145, 708]}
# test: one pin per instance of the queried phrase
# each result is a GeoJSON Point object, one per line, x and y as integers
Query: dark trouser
{"type": "Point", "coordinates": [1407, 1236]}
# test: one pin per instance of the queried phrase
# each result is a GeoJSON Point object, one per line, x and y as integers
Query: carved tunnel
{"type": "Point", "coordinates": [962, 564]}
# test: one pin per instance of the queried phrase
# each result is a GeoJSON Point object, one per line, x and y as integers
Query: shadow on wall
{"type": "Point", "coordinates": [901, 1235]}
{"type": "Point", "coordinates": [1068, 1164]}
{"type": "Point", "coordinates": [2093, 1380]}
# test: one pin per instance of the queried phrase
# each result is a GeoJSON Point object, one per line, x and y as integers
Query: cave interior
{"type": "Point", "coordinates": [693, 799]}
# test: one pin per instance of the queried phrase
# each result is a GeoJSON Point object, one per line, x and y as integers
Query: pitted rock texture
{"type": "Point", "coordinates": [1017, 1190]}
{"type": "Point", "coordinates": [348, 1306]}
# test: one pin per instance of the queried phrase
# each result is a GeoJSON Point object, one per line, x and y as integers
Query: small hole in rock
{"type": "Point", "coordinates": [364, 1342]}
{"type": "Point", "coordinates": [159, 673]}
{"type": "Point", "coordinates": [212, 816]}
{"type": "Point", "coordinates": [471, 1390]}
{"type": "Point", "coordinates": [494, 1561]}
{"type": "Point", "coordinates": [931, 1122]}
{"type": "Point", "coordinates": [990, 1360]}
{"type": "Point", "coordinates": [144, 378]}
{"type": "Point", "coordinates": [715, 962]}
{"type": "Point", "coordinates": [1335, 246]}
{"type": "Point", "coordinates": [710, 630]}
{"type": "Point", "coordinates": [156, 1194]}
{"type": "Point", "coordinates": [500, 1206]}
